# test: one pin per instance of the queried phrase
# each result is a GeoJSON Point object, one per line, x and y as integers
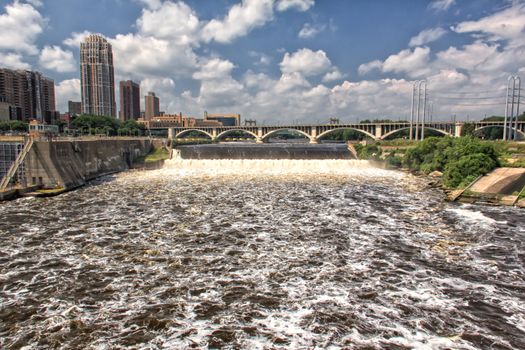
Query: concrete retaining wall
{"type": "Point", "coordinates": [71, 164]}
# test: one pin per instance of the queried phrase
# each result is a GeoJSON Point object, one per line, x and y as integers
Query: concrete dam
{"type": "Point", "coordinates": [69, 163]}
{"type": "Point", "coordinates": [266, 151]}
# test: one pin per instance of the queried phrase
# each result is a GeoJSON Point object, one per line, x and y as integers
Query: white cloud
{"type": "Point", "coordinates": [426, 36]}
{"type": "Point", "coordinates": [76, 38]}
{"type": "Point", "coordinates": [414, 63]}
{"type": "Point", "coordinates": [310, 30]}
{"type": "Point", "coordinates": [442, 5]}
{"type": "Point", "coordinates": [332, 76]}
{"type": "Point", "coordinates": [54, 58]}
{"type": "Point", "coordinates": [508, 24]}
{"type": "Point", "coordinates": [176, 22]}
{"type": "Point", "coordinates": [20, 25]}
{"type": "Point", "coordinates": [300, 5]}
{"type": "Point", "coordinates": [13, 61]}
{"type": "Point", "coordinates": [215, 68]}
{"type": "Point", "coordinates": [370, 66]}
{"type": "Point", "coordinates": [306, 61]}
{"type": "Point", "coordinates": [67, 90]}
{"type": "Point", "coordinates": [140, 57]}
{"type": "Point", "coordinates": [240, 20]}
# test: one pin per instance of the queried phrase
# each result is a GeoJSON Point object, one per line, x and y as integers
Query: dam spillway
{"type": "Point", "coordinates": [265, 151]}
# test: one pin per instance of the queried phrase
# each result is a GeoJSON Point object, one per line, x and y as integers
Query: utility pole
{"type": "Point", "coordinates": [424, 113]}
{"type": "Point", "coordinates": [417, 90]}
{"type": "Point", "coordinates": [510, 133]}
{"type": "Point", "coordinates": [412, 111]}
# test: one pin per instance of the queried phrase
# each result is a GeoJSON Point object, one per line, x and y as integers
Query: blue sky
{"type": "Point", "coordinates": [282, 60]}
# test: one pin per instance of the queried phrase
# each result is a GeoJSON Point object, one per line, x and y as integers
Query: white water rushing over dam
{"type": "Point", "coordinates": [260, 254]}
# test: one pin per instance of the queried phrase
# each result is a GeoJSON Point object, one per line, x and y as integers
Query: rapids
{"type": "Point", "coordinates": [260, 254]}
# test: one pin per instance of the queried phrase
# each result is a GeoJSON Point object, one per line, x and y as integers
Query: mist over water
{"type": "Point", "coordinates": [260, 254]}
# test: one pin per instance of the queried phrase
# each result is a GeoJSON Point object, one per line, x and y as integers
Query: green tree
{"type": "Point", "coordinates": [96, 123]}
{"type": "Point", "coordinates": [468, 129]}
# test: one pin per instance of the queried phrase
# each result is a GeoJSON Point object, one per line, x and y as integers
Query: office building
{"type": "Point", "coordinates": [29, 94]}
{"type": "Point", "coordinates": [152, 106]}
{"type": "Point", "coordinates": [74, 108]}
{"type": "Point", "coordinates": [97, 77]}
{"type": "Point", "coordinates": [129, 100]}
{"type": "Point", "coordinates": [224, 119]}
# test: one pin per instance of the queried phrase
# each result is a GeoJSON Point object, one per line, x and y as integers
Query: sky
{"type": "Point", "coordinates": [282, 61]}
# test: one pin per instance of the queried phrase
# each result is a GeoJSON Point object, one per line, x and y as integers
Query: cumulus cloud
{"type": "Point", "coordinates": [426, 36]}
{"type": "Point", "coordinates": [76, 38]}
{"type": "Point", "coordinates": [67, 90]}
{"type": "Point", "coordinates": [139, 57]}
{"type": "Point", "coordinates": [54, 58]}
{"type": "Point", "coordinates": [442, 5]}
{"type": "Point", "coordinates": [370, 66]}
{"type": "Point", "coordinates": [13, 61]}
{"type": "Point", "coordinates": [176, 22]}
{"type": "Point", "coordinates": [300, 5]}
{"type": "Point", "coordinates": [20, 25]}
{"type": "Point", "coordinates": [306, 61]}
{"type": "Point", "coordinates": [508, 24]}
{"type": "Point", "coordinates": [332, 76]}
{"type": "Point", "coordinates": [215, 68]}
{"type": "Point", "coordinates": [241, 19]}
{"type": "Point", "coordinates": [412, 62]}
{"type": "Point", "coordinates": [310, 30]}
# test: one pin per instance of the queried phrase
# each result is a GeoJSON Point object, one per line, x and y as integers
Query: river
{"type": "Point", "coordinates": [291, 254]}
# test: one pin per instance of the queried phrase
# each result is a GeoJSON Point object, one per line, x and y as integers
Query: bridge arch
{"type": "Point", "coordinates": [408, 128]}
{"type": "Point", "coordinates": [270, 133]}
{"type": "Point", "coordinates": [225, 132]}
{"type": "Point", "coordinates": [522, 133]}
{"type": "Point", "coordinates": [187, 131]}
{"type": "Point", "coordinates": [327, 132]}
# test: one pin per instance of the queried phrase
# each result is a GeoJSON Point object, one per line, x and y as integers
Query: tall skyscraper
{"type": "Point", "coordinates": [30, 95]}
{"type": "Point", "coordinates": [152, 106]}
{"type": "Point", "coordinates": [129, 100]}
{"type": "Point", "coordinates": [97, 76]}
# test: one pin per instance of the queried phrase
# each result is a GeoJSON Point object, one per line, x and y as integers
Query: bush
{"type": "Point", "coordinates": [460, 159]}
{"type": "Point", "coordinates": [466, 169]}
{"type": "Point", "coordinates": [369, 152]}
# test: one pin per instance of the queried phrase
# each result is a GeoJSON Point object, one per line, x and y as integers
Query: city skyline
{"type": "Point", "coordinates": [227, 57]}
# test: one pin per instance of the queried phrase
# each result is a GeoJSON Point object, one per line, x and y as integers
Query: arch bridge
{"type": "Point", "coordinates": [376, 131]}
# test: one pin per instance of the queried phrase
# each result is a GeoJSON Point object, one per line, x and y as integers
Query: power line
{"type": "Point", "coordinates": [467, 98]}
{"type": "Point", "coordinates": [479, 104]}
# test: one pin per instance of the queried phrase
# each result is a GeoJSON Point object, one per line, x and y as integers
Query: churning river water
{"type": "Point", "coordinates": [260, 255]}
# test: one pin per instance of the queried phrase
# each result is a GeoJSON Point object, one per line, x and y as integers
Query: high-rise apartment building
{"type": "Point", "coordinates": [129, 100]}
{"type": "Point", "coordinates": [30, 95]}
{"type": "Point", "coordinates": [152, 105]}
{"type": "Point", "coordinates": [97, 77]}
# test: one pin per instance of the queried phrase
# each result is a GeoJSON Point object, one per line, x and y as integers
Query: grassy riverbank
{"type": "Point", "coordinates": [460, 160]}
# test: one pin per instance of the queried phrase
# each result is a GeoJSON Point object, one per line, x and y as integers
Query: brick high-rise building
{"type": "Point", "coordinates": [129, 100]}
{"type": "Point", "coordinates": [31, 95]}
{"type": "Point", "coordinates": [97, 77]}
{"type": "Point", "coordinates": [152, 106]}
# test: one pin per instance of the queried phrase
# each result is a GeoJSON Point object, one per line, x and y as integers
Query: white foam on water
{"type": "Point", "coordinates": [274, 167]}
{"type": "Point", "coordinates": [472, 216]}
